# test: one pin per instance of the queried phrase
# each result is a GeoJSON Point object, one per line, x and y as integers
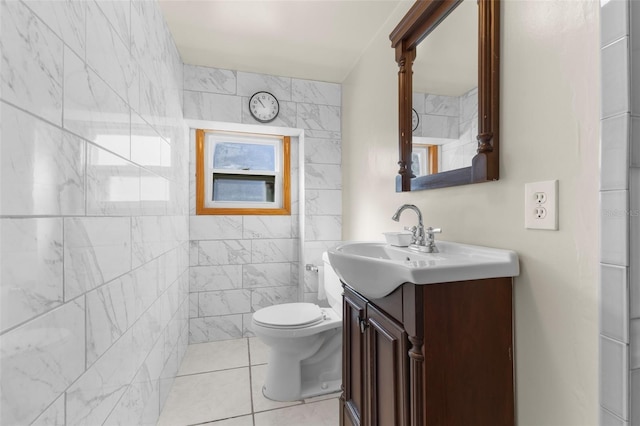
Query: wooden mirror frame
{"type": "Point", "coordinates": [423, 17]}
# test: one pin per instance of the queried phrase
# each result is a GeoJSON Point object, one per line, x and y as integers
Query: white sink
{"type": "Point", "coordinates": [375, 269]}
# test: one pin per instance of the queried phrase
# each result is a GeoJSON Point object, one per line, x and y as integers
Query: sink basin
{"type": "Point", "coordinates": [375, 269]}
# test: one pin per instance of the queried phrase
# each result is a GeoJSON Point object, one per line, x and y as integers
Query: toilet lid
{"type": "Point", "coordinates": [289, 315]}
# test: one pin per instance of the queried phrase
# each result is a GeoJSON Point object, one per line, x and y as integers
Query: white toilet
{"type": "Point", "coordinates": [305, 344]}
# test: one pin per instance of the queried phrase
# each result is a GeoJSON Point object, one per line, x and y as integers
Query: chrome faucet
{"type": "Point", "coordinates": [423, 240]}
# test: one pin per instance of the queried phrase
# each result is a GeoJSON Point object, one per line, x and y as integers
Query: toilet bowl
{"type": "Point", "coordinates": [305, 344]}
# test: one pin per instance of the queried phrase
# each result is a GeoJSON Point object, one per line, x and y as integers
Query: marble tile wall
{"type": "Point", "coordinates": [620, 214]}
{"type": "Point", "coordinates": [243, 263]}
{"type": "Point", "coordinates": [94, 251]}
{"type": "Point", "coordinates": [449, 117]}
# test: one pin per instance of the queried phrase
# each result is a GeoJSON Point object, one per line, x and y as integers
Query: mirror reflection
{"type": "Point", "coordinates": [445, 94]}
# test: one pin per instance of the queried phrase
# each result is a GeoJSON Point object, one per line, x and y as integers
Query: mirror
{"type": "Point", "coordinates": [447, 52]}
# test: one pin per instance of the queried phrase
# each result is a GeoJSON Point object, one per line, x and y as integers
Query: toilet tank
{"type": "Point", "coordinates": [332, 286]}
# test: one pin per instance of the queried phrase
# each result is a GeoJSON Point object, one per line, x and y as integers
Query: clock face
{"type": "Point", "coordinates": [264, 107]}
{"type": "Point", "coordinates": [415, 120]}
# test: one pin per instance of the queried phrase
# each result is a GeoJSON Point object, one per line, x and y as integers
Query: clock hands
{"type": "Point", "coordinates": [259, 100]}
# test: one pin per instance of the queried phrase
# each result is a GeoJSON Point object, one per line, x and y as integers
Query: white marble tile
{"type": "Point", "coordinates": [190, 400]}
{"type": "Point", "coordinates": [323, 202]}
{"type": "Point", "coordinates": [217, 277]}
{"type": "Point", "coordinates": [255, 227]}
{"type": "Point", "coordinates": [212, 80]}
{"type": "Point", "coordinates": [66, 18]}
{"type": "Point", "coordinates": [108, 55]}
{"type": "Point", "coordinates": [113, 184]}
{"type": "Point", "coordinates": [614, 154]}
{"type": "Point", "coordinates": [193, 305]}
{"type": "Point", "coordinates": [439, 126]}
{"type": "Point", "coordinates": [31, 62]}
{"type": "Point", "coordinates": [267, 275]}
{"type": "Point", "coordinates": [322, 413]}
{"type": "Point", "coordinates": [250, 83]}
{"type": "Point", "coordinates": [247, 330]}
{"type": "Point", "coordinates": [323, 228]}
{"type": "Point", "coordinates": [212, 329]}
{"type": "Point", "coordinates": [154, 193]}
{"type": "Point", "coordinates": [614, 302]}
{"type": "Point", "coordinates": [634, 142]}
{"type": "Point", "coordinates": [215, 227]}
{"type": "Point", "coordinates": [224, 302]}
{"type": "Point", "coordinates": [93, 110]}
{"type": "Point", "coordinates": [260, 402]}
{"type": "Point", "coordinates": [469, 105]}
{"type": "Point", "coordinates": [441, 105]}
{"type": "Point", "coordinates": [31, 268]}
{"type": "Point", "coordinates": [92, 397]}
{"type": "Point", "coordinates": [274, 251]}
{"type": "Point", "coordinates": [634, 245]}
{"type": "Point", "coordinates": [52, 416]}
{"type": "Point", "coordinates": [139, 405]}
{"type": "Point", "coordinates": [614, 228]}
{"type": "Point", "coordinates": [316, 92]}
{"type": "Point", "coordinates": [614, 383]}
{"type": "Point", "coordinates": [322, 151]}
{"type": "Point", "coordinates": [236, 421]}
{"type": "Point", "coordinates": [609, 419]}
{"type": "Point", "coordinates": [96, 250]}
{"type": "Point", "coordinates": [323, 176]}
{"type": "Point", "coordinates": [318, 117]}
{"type": "Point", "coordinates": [322, 134]}
{"type": "Point", "coordinates": [634, 344]}
{"type": "Point", "coordinates": [212, 107]}
{"type": "Point", "coordinates": [39, 361]}
{"type": "Point", "coordinates": [313, 250]}
{"type": "Point", "coordinates": [227, 252]}
{"type": "Point", "coordinates": [615, 78]}
{"type": "Point", "coordinates": [119, 15]}
{"type": "Point", "coordinates": [42, 167]}
{"type": "Point", "coordinates": [213, 356]}
{"type": "Point", "coordinates": [614, 21]}
{"type": "Point", "coordinates": [268, 296]}
{"type": "Point", "coordinates": [258, 351]}
{"type": "Point", "coordinates": [418, 102]}
{"type": "Point", "coordinates": [111, 310]}
{"type": "Point", "coordinates": [151, 236]}
{"type": "Point", "coordinates": [634, 389]}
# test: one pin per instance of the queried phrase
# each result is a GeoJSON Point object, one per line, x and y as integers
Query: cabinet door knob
{"type": "Point", "coordinates": [363, 324]}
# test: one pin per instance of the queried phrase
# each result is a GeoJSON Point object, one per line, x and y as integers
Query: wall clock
{"type": "Point", "coordinates": [264, 107]}
{"type": "Point", "coordinates": [415, 120]}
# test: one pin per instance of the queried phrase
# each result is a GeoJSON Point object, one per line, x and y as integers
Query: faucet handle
{"type": "Point", "coordinates": [410, 228]}
{"type": "Point", "coordinates": [431, 230]}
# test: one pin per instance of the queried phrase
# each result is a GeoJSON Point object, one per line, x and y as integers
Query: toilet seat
{"type": "Point", "coordinates": [289, 315]}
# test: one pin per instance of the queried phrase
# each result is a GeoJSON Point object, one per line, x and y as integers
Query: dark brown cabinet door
{"type": "Point", "coordinates": [387, 370]}
{"type": "Point", "coordinates": [353, 371]}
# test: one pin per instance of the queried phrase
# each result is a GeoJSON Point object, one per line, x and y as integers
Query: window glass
{"type": "Point", "coordinates": [244, 156]}
{"type": "Point", "coordinates": [243, 188]}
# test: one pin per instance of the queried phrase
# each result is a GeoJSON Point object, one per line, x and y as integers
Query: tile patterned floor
{"type": "Point", "coordinates": [220, 384]}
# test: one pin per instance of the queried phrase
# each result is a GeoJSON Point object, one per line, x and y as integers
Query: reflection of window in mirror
{"type": "Point", "coordinates": [445, 88]}
{"type": "Point", "coordinates": [425, 159]}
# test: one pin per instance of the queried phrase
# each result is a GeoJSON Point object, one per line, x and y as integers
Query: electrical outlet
{"type": "Point", "coordinates": [541, 205]}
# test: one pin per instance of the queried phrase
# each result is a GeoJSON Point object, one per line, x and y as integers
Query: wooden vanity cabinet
{"type": "Point", "coordinates": [426, 355]}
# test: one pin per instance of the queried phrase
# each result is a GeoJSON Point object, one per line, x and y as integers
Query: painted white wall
{"type": "Point", "coordinates": [549, 130]}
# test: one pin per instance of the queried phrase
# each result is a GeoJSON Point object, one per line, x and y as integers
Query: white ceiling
{"type": "Point", "coordinates": [317, 40]}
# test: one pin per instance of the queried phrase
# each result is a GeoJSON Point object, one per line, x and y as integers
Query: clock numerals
{"type": "Point", "coordinates": [264, 107]}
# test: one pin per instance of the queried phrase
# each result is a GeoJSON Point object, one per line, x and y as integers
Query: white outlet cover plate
{"type": "Point", "coordinates": [550, 220]}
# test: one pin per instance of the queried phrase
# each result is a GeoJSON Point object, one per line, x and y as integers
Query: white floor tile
{"type": "Point", "coordinates": [237, 421]}
{"type": "Point", "coordinates": [207, 397]}
{"type": "Point", "coordinates": [260, 402]}
{"type": "Point", "coordinates": [322, 397]}
{"type": "Point", "coordinates": [323, 413]}
{"type": "Point", "coordinates": [259, 351]}
{"type": "Point", "coordinates": [213, 356]}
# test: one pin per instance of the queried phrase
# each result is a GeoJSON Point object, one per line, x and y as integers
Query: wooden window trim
{"type": "Point", "coordinates": [200, 184]}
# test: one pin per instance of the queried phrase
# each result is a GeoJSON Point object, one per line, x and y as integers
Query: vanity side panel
{"type": "Point", "coordinates": [353, 363]}
{"type": "Point", "coordinates": [468, 342]}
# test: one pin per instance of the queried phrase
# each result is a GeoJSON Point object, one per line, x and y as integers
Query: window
{"type": "Point", "coordinates": [242, 173]}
